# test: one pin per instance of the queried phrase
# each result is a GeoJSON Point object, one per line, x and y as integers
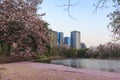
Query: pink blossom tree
{"type": "Point", "coordinates": [104, 51]}
{"type": "Point", "coordinates": [20, 24]}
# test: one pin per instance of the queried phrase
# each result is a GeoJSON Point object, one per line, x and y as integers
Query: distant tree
{"type": "Point", "coordinates": [81, 53]}
{"type": "Point", "coordinates": [108, 50]}
{"type": "Point", "coordinates": [70, 53]}
{"type": "Point", "coordinates": [19, 22]}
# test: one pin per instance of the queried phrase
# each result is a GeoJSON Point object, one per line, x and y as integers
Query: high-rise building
{"type": "Point", "coordinates": [75, 39]}
{"type": "Point", "coordinates": [67, 41]}
{"type": "Point", "coordinates": [60, 38]}
{"type": "Point", "coordinates": [54, 38]}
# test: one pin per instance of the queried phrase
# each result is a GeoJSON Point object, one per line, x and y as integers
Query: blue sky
{"type": "Point", "coordinates": [92, 25]}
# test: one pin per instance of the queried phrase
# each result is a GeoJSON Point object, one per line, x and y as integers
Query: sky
{"type": "Point", "coordinates": [92, 24]}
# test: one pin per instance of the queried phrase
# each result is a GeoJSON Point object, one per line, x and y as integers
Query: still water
{"type": "Point", "coordinates": [93, 64]}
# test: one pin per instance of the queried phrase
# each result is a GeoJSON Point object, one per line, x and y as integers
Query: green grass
{"type": "Point", "coordinates": [42, 59]}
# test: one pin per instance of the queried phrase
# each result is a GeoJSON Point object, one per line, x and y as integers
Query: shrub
{"type": "Point", "coordinates": [56, 51]}
{"type": "Point", "coordinates": [109, 50]}
{"type": "Point", "coordinates": [42, 58]}
{"type": "Point", "coordinates": [82, 53]}
{"type": "Point", "coordinates": [70, 53]}
{"type": "Point", "coordinates": [49, 50]}
{"type": "Point", "coordinates": [9, 59]}
{"type": "Point", "coordinates": [95, 55]}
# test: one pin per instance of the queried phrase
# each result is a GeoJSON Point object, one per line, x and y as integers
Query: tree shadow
{"type": "Point", "coordinates": [2, 68]}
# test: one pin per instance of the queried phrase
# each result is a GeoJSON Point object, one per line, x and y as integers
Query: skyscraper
{"type": "Point", "coordinates": [54, 38]}
{"type": "Point", "coordinates": [60, 38]}
{"type": "Point", "coordinates": [75, 39]}
{"type": "Point", "coordinates": [67, 41]}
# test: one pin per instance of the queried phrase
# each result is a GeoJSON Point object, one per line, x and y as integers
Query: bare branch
{"type": "Point", "coordinates": [69, 1]}
{"type": "Point", "coordinates": [68, 6]}
{"type": "Point", "coordinates": [100, 4]}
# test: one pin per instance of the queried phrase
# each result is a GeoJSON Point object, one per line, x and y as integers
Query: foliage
{"type": "Point", "coordinates": [21, 25]}
{"type": "Point", "coordinates": [49, 50]}
{"type": "Point", "coordinates": [9, 59]}
{"type": "Point", "coordinates": [115, 24]}
{"type": "Point", "coordinates": [56, 51]}
{"type": "Point", "coordinates": [81, 53]}
{"type": "Point", "coordinates": [64, 52]}
{"type": "Point", "coordinates": [109, 50]}
{"type": "Point", "coordinates": [3, 47]}
{"type": "Point", "coordinates": [70, 53]}
{"type": "Point", "coordinates": [42, 58]}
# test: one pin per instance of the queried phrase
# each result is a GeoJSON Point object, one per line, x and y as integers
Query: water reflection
{"type": "Point", "coordinates": [93, 64]}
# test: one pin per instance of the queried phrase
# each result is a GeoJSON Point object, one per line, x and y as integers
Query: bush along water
{"type": "Point", "coordinates": [108, 50]}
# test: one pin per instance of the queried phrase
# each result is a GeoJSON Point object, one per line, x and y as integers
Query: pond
{"type": "Point", "coordinates": [92, 64]}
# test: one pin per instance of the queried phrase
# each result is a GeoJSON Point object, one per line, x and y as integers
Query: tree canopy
{"type": "Point", "coordinates": [21, 25]}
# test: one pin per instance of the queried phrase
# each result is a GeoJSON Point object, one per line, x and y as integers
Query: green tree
{"type": "Point", "coordinates": [82, 53]}
{"type": "Point", "coordinates": [49, 50]}
{"type": "Point", "coordinates": [70, 53]}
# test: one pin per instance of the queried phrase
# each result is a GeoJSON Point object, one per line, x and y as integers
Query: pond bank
{"type": "Point", "coordinates": [41, 71]}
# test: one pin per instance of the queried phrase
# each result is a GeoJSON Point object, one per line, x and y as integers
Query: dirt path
{"type": "Point", "coordinates": [40, 71]}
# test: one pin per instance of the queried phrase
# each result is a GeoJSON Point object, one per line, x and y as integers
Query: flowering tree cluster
{"type": "Point", "coordinates": [105, 51]}
{"type": "Point", "coordinates": [21, 28]}
{"type": "Point", "coordinates": [114, 25]}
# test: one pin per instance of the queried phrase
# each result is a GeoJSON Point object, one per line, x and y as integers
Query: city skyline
{"type": "Point", "coordinates": [58, 39]}
{"type": "Point", "coordinates": [92, 24]}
